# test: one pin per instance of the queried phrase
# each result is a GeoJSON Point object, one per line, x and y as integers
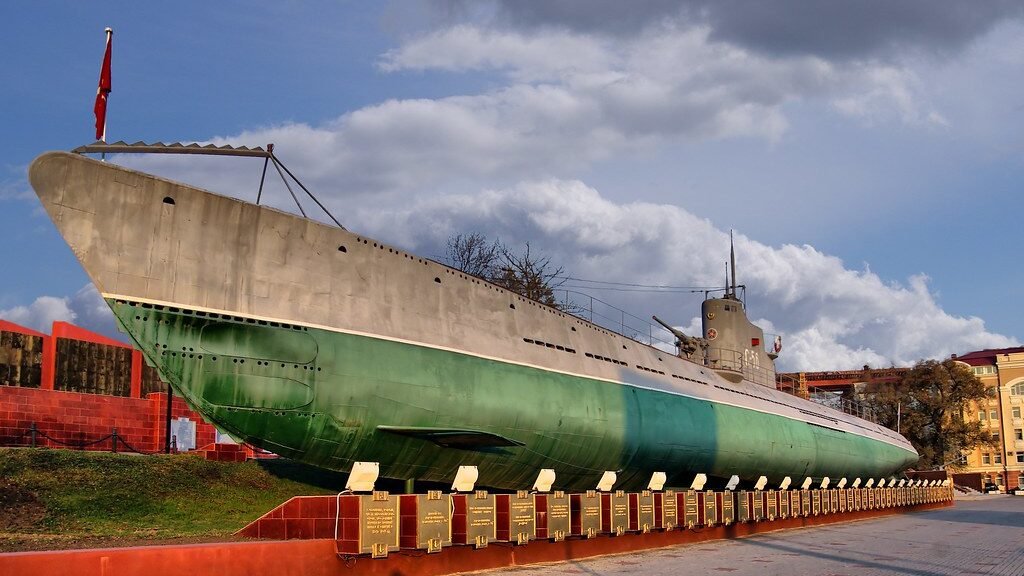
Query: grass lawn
{"type": "Point", "coordinates": [53, 499]}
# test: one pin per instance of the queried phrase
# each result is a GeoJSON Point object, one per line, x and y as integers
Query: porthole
{"type": "Point", "coordinates": [436, 279]}
{"type": "Point", "coordinates": [342, 249]}
{"type": "Point", "coordinates": [168, 200]}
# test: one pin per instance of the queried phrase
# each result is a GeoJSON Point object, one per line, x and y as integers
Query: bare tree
{"type": "Point", "coordinates": [523, 273]}
{"type": "Point", "coordinates": [530, 276]}
{"type": "Point", "coordinates": [474, 254]}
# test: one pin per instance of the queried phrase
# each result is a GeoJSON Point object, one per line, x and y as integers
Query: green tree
{"type": "Point", "coordinates": [929, 405]}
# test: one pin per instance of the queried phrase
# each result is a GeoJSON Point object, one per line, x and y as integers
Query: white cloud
{"type": "Point", "coordinates": [40, 314]}
{"type": "Point", "coordinates": [569, 101]}
{"type": "Point", "coordinates": [831, 317]}
{"type": "Point", "coordinates": [565, 102]}
{"type": "Point", "coordinates": [85, 308]}
{"type": "Point", "coordinates": [16, 190]}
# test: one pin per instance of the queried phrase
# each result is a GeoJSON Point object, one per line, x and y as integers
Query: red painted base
{"type": "Point", "coordinates": [318, 557]}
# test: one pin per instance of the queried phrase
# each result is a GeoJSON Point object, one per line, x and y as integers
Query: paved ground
{"type": "Point", "coordinates": [979, 536]}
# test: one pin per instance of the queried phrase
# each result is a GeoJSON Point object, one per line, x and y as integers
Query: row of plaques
{"type": "Point", "coordinates": [379, 523]}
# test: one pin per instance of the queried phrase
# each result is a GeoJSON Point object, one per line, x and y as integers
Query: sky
{"type": "Point", "coordinates": [867, 155]}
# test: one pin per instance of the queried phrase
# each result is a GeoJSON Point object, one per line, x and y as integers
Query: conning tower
{"type": "Point", "coordinates": [736, 348]}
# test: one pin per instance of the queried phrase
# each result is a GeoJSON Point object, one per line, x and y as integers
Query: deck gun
{"type": "Point", "coordinates": [687, 345]}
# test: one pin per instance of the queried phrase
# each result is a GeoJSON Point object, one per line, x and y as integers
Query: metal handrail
{"type": "Point", "coordinates": [825, 397]}
{"type": "Point", "coordinates": [611, 317]}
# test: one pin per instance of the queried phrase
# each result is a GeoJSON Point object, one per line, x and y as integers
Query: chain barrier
{"type": "Point", "coordinates": [35, 433]}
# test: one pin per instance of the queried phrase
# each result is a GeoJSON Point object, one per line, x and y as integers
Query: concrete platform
{"type": "Point", "coordinates": [981, 535]}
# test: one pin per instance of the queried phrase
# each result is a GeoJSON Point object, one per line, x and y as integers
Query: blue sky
{"type": "Point", "coordinates": [868, 157]}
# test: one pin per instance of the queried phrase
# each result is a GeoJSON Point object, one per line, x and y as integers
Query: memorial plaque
{"type": "Point", "coordinates": [666, 510]}
{"type": "Point", "coordinates": [871, 499]}
{"type": "Point", "coordinates": [691, 508]}
{"type": "Point", "coordinates": [890, 497]}
{"type": "Point", "coordinates": [784, 504]}
{"type": "Point", "coordinates": [805, 503]}
{"type": "Point", "coordinates": [743, 506]}
{"type": "Point", "coordinates": [842, 500]}
{"type": "Point", "coordinates": [728, 506]}
{"type": "Point", "coordinates": [815, 502]}
{"type": "Point", "coordinates": [758, 510]}
{"type": "Point", "coordinates": [833, 498]}
{"type": "Point", "coordinates": [641, 512]}
{"type": "Point", "coordinates": [517, 517]}
{"type": "Point", "coordinates": [426, 521]}
{"type": "Point", "coordinates": [772, 497]}
{"type": "Point", "coordinates": [586, 514]}
{"type": "Point", "coordinates": [553, 516]}
{"type": "Point", "coordinates": [858, 500]}
{"type": "Point", "coordinates": [710, 508]}
{"type": "Point", "coordinates": [475, 519]}
{"type": "Point", "coordinates": [367, 524]}
{"type": "Point", "coordinates": [615, 513]}
{"type": "Point", "coordinates": [849, 500]}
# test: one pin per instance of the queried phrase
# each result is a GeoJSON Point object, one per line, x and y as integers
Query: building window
{"type": "Point", "coordinates": [984, 370]}
{"type": "Point", "coordinates": [999, 479]}
{"type": "Point", "coordinates": [999, 457]}
{"type": "Point", "coordinates": [986, 458]}
{"type": "Point", "coordinates": [1020, 457]}
{"type": "Point", "coordinates": [995, 437]}
{"type": "Point", "coordinates": [981, 416]}
{"type": "Point", "coordinates": [993, 415]}
{"type": "Point", "coordinates": [1018, 434]}
{"type": "Point", "coordinates": [1017, 389]}
{"type": "Point", "coordinates": [1016, 411]}
{"type": "Point", "coordinates": [1020, 480]}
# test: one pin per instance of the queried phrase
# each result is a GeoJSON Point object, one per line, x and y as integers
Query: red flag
{"type": "Point", "coordinates": [100, 108]}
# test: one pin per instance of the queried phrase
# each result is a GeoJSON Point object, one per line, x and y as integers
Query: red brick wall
{"type": "Point", "coordinates": [75, 418]}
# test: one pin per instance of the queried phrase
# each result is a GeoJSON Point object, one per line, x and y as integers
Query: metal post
{"type": "Point", "coordinates": [32, 431]}
{"type": "Point", "coordinates": [170, 398]}
{"type": "Point", "coordinates": [113, 441]}
{"type": "Point", "coordinates": [410, 485]}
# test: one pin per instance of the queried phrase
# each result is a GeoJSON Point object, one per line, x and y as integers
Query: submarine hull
{"type": "Point", "coordinates": [329, 347]}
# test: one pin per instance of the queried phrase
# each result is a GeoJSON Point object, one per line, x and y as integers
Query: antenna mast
{"type": "Point", "coordinates": [732, 259]}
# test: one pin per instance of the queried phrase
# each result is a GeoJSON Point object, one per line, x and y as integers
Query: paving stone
{"type": "Point", "coordinates": [981, 536]}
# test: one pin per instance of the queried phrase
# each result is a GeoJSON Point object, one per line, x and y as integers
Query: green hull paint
{"type": "Point", "coordinates": [318, 396]}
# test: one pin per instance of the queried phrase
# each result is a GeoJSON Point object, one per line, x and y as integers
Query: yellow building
{"type": "Point", "coordinates": [1003, 370]}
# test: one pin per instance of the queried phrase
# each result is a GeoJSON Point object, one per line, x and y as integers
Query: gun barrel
{"type": "Point", "coordinates": [668, 327]}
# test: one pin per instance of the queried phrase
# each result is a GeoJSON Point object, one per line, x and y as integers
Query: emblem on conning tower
{"type": "Point", "coordinates": [712, 333]}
